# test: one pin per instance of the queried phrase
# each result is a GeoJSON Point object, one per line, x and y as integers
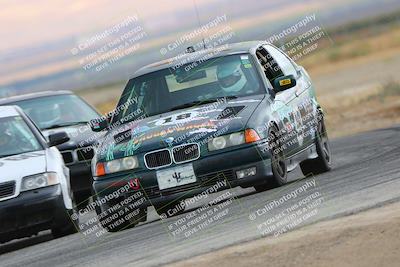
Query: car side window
{"type": "Point", "coordinates": [284, 63]}
{"type": "Point", "coordinates": [271, 68]}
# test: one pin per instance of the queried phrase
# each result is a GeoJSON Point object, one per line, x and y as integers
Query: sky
{"type": "Point", "coordinates": [38, 36]}
{"type": "Point", "coordinates": [35, 22]}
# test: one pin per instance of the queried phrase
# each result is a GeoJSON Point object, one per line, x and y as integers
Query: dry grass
{"type": "Point", "coordinates": [371, 110]}
{"type": "Point", "coordinates": [357, 45]}
{"type": "Point", "coordinates": [104, 98]}
{"type": "Point", "coordinates": [391, 88]}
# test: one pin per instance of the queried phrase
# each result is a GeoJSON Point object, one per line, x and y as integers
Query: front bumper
{"type": "Point", "coordinates": [208, 170]}
{"type": "Point", "coordinates": [31, 212]}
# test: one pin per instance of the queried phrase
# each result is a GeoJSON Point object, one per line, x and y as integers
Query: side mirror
{"type": "Point", "coordinates": [98, 125]}
{"type": "Point", "coordinates": [283, 83]}
{"type": "Point", "coordinates": [57, 139]}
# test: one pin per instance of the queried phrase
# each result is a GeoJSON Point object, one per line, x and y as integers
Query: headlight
{"type": "Point", "coordinates": [236, 139]}
{"type": "Point", "coordinates": [113, 166]}
{"type": "Point", "coordinates": [118, 165]}
{"type": "Point", "coordinates": [39, 181]}
{"type": "Point", "coordinates": [130, 163]}
{"type": "Point", "coordinates": [218, 143]}
{"type": "Point", "coordinates": [225, 141]}
{"type": "Point", "coordinates": [233, 139]}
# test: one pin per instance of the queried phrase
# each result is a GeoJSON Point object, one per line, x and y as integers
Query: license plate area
{"type": "Point", "coordinates": [176, 176]}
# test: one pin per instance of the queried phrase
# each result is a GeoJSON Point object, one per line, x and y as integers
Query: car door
{"type": "Point", "coordinates": [279, 102]}
{"type": "Point", "coordinates": [300, 100]}
{"type": "Point", "coordinates": [286, 104]}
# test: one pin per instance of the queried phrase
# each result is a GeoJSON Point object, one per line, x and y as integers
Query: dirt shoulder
{"type": "Point", "coordinates": [370, 238]}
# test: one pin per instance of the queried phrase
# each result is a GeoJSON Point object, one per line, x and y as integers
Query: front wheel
{"type": "Point", "coordinates": [323, 162]}
{"type": "Point", "coordinates": [123, 219]}
{"type": "Point", "coordinates": [278, 163]}
{"type": "Point", "coordinates": [81, 199]}
{"type": "Point", "coordinates": [69, 227]}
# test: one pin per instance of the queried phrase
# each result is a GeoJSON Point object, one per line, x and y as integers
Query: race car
{"type": "Point", "coordinates": [243, 113]}
{"type": "Point", "coordinates": [63, 111]}
{"type": "Point", "coordinates": [35, 191]}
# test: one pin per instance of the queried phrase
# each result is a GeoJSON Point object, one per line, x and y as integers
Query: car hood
{"type": "Point", "coordinates": [79, 135]}
{"type": "Point", "coordinates": [14, 168]}
{"type": "Point", "coordinates": [191, 125]}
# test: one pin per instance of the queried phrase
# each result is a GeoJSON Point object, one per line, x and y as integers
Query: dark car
{"type": "Point", "coordinates": [63, 111]}
{"type": "Point", "coordinates": [245, 114]}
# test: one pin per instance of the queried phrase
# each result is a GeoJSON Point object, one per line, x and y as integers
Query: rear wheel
{"type": "Point", "coordinates": [278, 163]}
{"type": "Point", "coordinates": [323, 162]}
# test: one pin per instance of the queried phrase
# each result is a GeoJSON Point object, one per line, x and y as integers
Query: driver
{"type": "Point", "coordinates": [232, 79]}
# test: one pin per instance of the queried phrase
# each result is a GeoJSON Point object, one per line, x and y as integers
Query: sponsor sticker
{"type": "Point", "coordinates": [285, 82]}
{"type": "Point", "coordinates": [245, 61]}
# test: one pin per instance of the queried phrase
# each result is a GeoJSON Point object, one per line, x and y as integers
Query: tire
{"type": "Point", "coordinates": [69, 227]}
{"type": "Point", "coordinates": [81, 199]}
{"type": "Point", "coordinates": [323, 162]}
{"type": "Point", "coordinates": [113, 229]}
{"type": "Point", "coordinates": [142, 215]}
{"type": "Point", "coordinates": [126, 224]}
{"type": "Point", "coordinates": [278, 164]}
{"type": "Point", "coordinates": [170, 209]}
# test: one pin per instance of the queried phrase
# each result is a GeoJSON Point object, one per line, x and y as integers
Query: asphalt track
{"type": "Point", "coordinates": [366, 174]}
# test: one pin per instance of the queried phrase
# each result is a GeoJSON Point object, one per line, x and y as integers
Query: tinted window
{"type": "Point", "coordinates": [271, 69]}
{"type": "Point", "coordinates": [200, 81]}
{"type": "Point", "coordinates": [61, 110]}
{"type": "Point", "coordinates": [284, 63]}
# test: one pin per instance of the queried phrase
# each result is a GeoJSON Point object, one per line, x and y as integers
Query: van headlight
{"type": "Point", "coordinates": [118, 165]}
{"type": "Point", "coordinates": [39, 180]}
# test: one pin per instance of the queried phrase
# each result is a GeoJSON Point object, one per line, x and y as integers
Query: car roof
{"type": "Point", "coordinates": [13, 99]}
{"type": "Point", "coordinates": [8, 111]}
{"type": "Point", "coordinates": [219, 51]}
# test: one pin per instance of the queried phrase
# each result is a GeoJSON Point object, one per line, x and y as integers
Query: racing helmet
{"type": "Point", "coordinates": [231, 77]}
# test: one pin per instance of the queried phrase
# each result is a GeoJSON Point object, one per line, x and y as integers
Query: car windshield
{"type": "Point", "coordinates": [196, 83]}
{"type": "Point", "coordinates": [57, 111]}
{"type": "Point", "coordinates": [16, 137]}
